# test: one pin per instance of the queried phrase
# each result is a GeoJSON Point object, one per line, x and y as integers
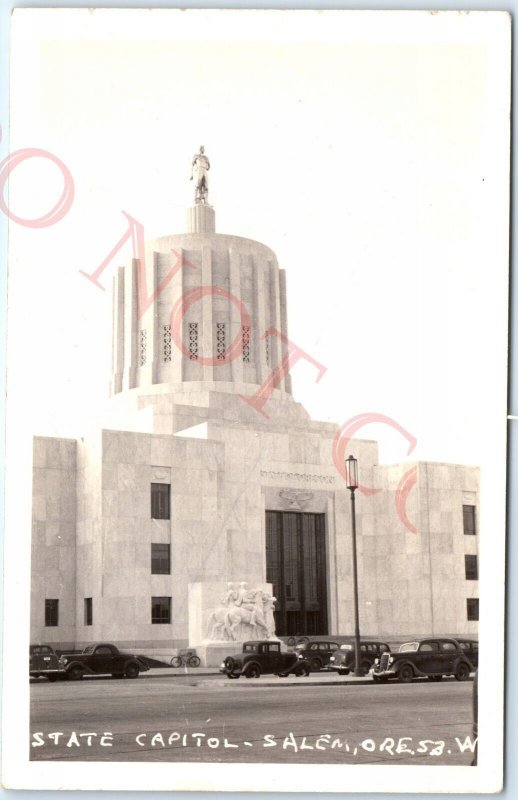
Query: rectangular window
{"type": "Point", "coordinates": [88, 611]}
{"type": "Point", "coordinates": [471, 565]}
{"type": "Point", "coordinates": [51, 613]}
{"type": "Point", "coordinates": [160, 559]}
{"type": "Point", "coordinates": [468, 513]}
{"type": "Point", "coordinates": [161, 610]}
{"type": "Point", "coordinates": [472, 608]}
{"type": "Point", "coordinates": [160, 500]}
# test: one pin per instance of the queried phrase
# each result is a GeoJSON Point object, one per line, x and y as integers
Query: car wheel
{"type": "Point", "coordinates": [301, 670]}
{"type": "Point", "coordinates": [343, 672]}
{"type": "Point", "coordinates": [253, 672]}
{"type": "Point", "coordinates": [232, 677]}
{"type": "Point", "coordinates": [365, 667]}
{"type": "Point", "coordinates": [462, 672]}
{"type": "Point", "coordinates": [405, 674]}
{"type": "Point", "coordinates": [435, 678]}
{"type": "Point", "coordinates": [132, 670]}
{"type": "Point", "coordinates": [315, 665]}
{"type": "Point", "coordinates": [176, 661]}
{"type": "Point", "coordinates": [75, 673]}
{"type": "Point", "coordinates": [229, 663]}
{"type": "Point", "coordinates": [52, 678]}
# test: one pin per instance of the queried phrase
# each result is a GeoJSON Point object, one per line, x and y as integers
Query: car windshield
{"type": "Point", "coordinates": [346, 647]}
{"type": "Point", "coordinates": [249, 648]}
{"type": "Point", "coordinates": [409, 647]}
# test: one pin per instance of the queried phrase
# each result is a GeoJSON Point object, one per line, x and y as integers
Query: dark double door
{"type": "Point", "coordinates": [296, 566]}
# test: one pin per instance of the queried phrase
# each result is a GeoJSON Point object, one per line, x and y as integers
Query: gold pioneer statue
{"type": "Point", "coordinates": [200, 167]}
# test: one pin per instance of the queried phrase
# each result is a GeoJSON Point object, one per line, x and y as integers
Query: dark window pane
{"type": "Point", "coordinates": [160, 559]}
{"type": "Point", "coordinates": [468, 513]}
{"type": "Point", "coordinates": [471, 565]}
{"type": "Point", "coordinates": [160, 500]}
{"type": "Point", "coordinates": [88, 611]}
{"type": "Point", "coordinates": [472, 608]}
{"type": "Point", "coordinates": [161, 610]}
{"type": "Point", "coordinates": [51, 613]}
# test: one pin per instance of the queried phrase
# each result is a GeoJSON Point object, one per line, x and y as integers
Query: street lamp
{"type": "Point", "coordinates": [351, 470]}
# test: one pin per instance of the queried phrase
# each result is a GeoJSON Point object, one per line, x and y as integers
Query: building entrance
{"type": "Point", "coordinates": [296, 566]}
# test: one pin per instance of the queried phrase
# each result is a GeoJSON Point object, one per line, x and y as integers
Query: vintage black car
{"type": "Point", "coordinates": [470, 649]}
{"type": "Point", "coordinates": [343, 660]}
{"type": "Point", "coordinates": [316, 652]}
{"type": "Point", "coordinates": [263, 658]}
{"type": "Point", "coordinates": [102, 659]}
{"type": "Point", "coordinates": [431, 658]}
{"type": "Point", "coordinates": [44, 662]}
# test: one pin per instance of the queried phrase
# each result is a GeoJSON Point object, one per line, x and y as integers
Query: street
{"type": "Point", "coordinates": [185, 718]}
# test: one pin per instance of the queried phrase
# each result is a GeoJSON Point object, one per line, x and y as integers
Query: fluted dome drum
{"type": "Point", "coordinates": [206, 308]}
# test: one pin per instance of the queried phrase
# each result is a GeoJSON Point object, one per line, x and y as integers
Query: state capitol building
{"type": "Point", "coordinates": [211, 475]}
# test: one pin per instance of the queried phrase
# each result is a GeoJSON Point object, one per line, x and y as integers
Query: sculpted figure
{"type": "Point", "coordinates": [200, 167]}
{"type": "Point", "coordinates": [268, 610]}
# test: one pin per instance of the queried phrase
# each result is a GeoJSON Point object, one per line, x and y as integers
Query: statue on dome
{"type": "Point", "coordinates": [200, 167]}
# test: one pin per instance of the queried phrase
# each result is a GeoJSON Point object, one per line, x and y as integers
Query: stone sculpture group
{"type": "Point", "coordinates": [243, 614]}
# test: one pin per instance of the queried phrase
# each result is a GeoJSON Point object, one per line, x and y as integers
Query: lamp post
{"type": "Point", "coordinates": [351, 466]}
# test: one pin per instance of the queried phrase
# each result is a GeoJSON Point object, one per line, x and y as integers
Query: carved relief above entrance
{"type": "Point", "coordinates": [295, 499]}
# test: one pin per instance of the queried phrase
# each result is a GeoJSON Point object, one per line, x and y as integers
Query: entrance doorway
{"type": "Point", "coordinates": [296, 566]}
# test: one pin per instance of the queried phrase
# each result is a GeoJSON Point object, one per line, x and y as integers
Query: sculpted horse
{"type": "Point", "coordinates": [249, 613]}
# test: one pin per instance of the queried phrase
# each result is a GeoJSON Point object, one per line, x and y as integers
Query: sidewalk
{"type": "Point", "coordinates": [200, 673]}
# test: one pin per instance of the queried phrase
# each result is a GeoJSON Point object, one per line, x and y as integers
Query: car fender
{"type": "Point", "coordinates": [250, 664]}
{"type": "Point", "coordinates": [462, 660]}
{"type": "Point", "coordinates": [86, 669]}
{"type": "Point", "coordinates": [398, 665]}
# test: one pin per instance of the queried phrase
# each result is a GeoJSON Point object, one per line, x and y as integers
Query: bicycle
{"type": "Point", "coordinates": [185, 660]}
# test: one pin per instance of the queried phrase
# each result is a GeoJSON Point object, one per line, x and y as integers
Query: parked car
{"type": "Point", "coordinates": [317, 653]}
{"type": "Point", "coordinates": [262, 658]}
{"type": "Point", "coordinates": [470, 648]}
{"type": "Point", "coordinates": [44, 662]}
{"type": "Point", "coordinates": [343, 659]}
{"type": "Point", "coordinates": [431, 658]}
{"type": "Point", "coordinates": [102, 659]}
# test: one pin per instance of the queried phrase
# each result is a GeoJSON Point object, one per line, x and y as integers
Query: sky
{"type": "Point", "coordinates": [371, 157]}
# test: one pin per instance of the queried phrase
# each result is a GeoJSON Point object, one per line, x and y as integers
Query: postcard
{"type": "Point", "coordinates": [256, 400]}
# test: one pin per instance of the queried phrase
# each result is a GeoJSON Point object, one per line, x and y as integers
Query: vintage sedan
{"type": "Point", "coordinates": [424, 658]}
{"type": "Point", "coordinates": [343, 659]}
{"type": "Point", "coordinates": [470, 649]}
{"type": "Point", "coordinates": [316, 652]}
{"type": "Point", "coordinates": [44, 662]}
{"type": "Point", "coordinates": [263, 658]}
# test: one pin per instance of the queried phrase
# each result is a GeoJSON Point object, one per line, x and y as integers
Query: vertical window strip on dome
{"type": "Point", "coordinates": [245, 335]}
{"type": "Point", "coordinates": [167, 347]}
{"type": "Point", "coordinates": [143, 346]}
{"type": "Point", "coordinates": [193, 341]}
{"type": "Point", "coordinates": [220, 341]}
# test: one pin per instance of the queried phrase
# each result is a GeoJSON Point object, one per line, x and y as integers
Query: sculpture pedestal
{"type": "Point", "coordinates": [213, 653]}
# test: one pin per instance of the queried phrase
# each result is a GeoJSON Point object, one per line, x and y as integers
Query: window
{"type": "Point", "coordinates": [471, 567]}
{"type": "Point", "coordinates": [220, 340]}
{"type": "Point", "coordinates": [51, 613]}
{"type": "Point", "coordinates": [472, 608]}
{"type": "Point", "coordinates": [448, 646]}
{"type": "Point", "coordinates": [161, 610]}
{"type": "Point", "coordinates": [160, 559]}
{"type": "Point", "coordinates": [429, 647]}
{"type": "Point", "coordinates": [193, 341]}
{"type": "Point", "coordinates": [88, 611]}
{"type": "Point", "coordinates": [468, 513]}
{"type": "Point", "coordinates": [160, 500]}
